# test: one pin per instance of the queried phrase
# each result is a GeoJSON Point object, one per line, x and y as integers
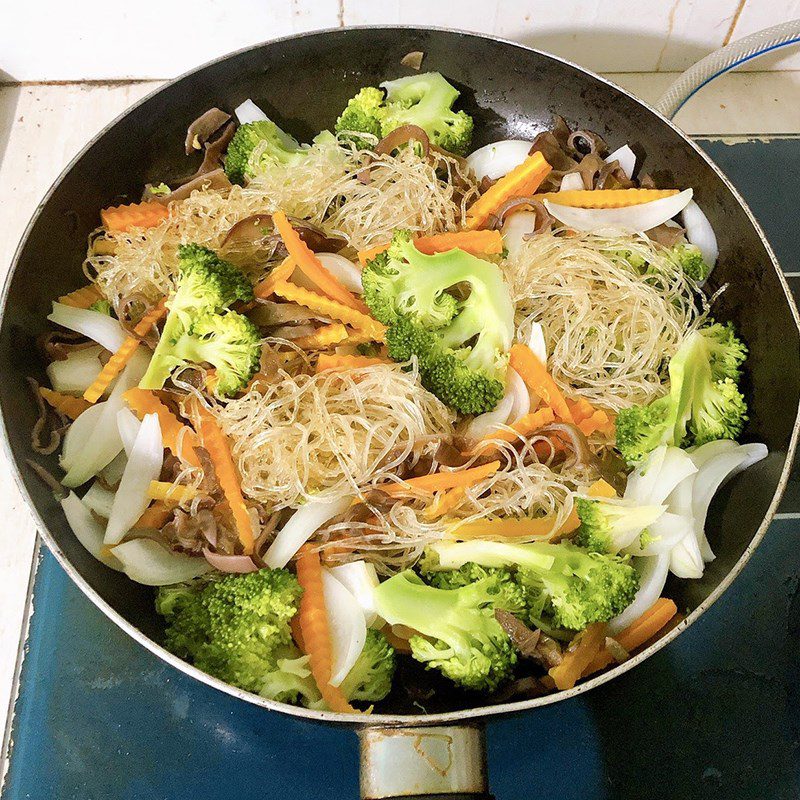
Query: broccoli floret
{"type": "Point", "coordinates": [258, 143]}
{"type": "Point", "coordinates": [102, 307]}
{"type": "Point", "coordinates": [461, 345]}
{"type": "Point", "coordinates": [509, 595]}
{"type": "Point", "coordinates": [291, 681]}
{"type": "Point", "coordinates": [229, 342]}
{"type": "Point", "coordinates": [703, 404]}
{"type": "Point", "coordinates": [458, 633]}
{"type": "Point", "coordinates": [362, 114]}
{"type": "Point", "coordinates": [206, 285]}
{"type": "Point", "coordinates": [424, 100]}
{"type": "Point", "coordinates": [608, 526]}
{"type": "Point", "coordinates": [370, 678]}
{"type": "Point", "coordinates": [234, 628]}
{"type": "Point", "coordinates": [566, 585]}
{"type": "Point", "coordinates": [690, 260]}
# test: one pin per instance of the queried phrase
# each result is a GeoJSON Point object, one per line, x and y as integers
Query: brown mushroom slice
{"type": "Point", "coordinates": [203, 129]}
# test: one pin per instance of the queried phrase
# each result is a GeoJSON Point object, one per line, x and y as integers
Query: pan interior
{"type": "Point", "coordinates": [303, 83]}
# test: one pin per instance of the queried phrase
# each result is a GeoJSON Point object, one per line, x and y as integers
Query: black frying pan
{"type": "Point", "coordinates": [302, 83]}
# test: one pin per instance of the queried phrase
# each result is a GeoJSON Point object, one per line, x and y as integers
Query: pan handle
{"type": "Point", "coordinates": [723, 60]}
{"type": "Point", "coordinates": [441, 763]}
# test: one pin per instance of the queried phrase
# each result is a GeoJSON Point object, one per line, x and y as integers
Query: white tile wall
{"type": "Point", "coordinates": [47, 40]}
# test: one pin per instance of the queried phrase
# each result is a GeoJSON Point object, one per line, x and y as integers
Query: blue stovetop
{"type": "Point", "coordinates": [715, 714]}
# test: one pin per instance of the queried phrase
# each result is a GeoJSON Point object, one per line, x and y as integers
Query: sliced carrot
{"type": "Point", "coordinates": [523, 180]}
{"type": "Point", "coordinates": [330, 309]}
{"type": "Point", "coordinates": [479, 243]}
{"type": "Point", "coordinates": [156, 515]}
{"type": "Point", "coordinates": [323, 337]}
{"type": "Point", "coordinates": [67, 404]}
{"type": "Point", "coordinates": [134, 215]}
{"type": "Point", "coordinates": [442, 480]}
{"type": "Point", "coordinates": [178, 438]}
{"type": "Point", "coordinates": [315, 630]}
{"type": "Point", "coordinates": [367, 255]}
{"type": "Point", "coordinates": [444, 503]}
{"type": "Point", "coordinates": [606, 198]}
{"type": "Point", "coordinates": [171, 492]}
{"type": "Point", "coordinates": [117, 362]}
{"type": "Point", "coordinates": [588, 418]}
{"type": "Point", "coordinates": [219, 451]}
{"type": "Point", "coordinates": [538, 380]}
{"type": "Point", "coordinates": [637, 633]}
{"type": "Point", "coordinates": [83, 297]}
{"type": "Point", "coordinates": [308, 263]}
{"type": "Point", "coordinates": [328, 361]}
{"type": "Point", "coordinates": [282, 272]}
{"type": "Point", "coordinates": [581, 652]}
{"type": "Point", "coordinates": [522, 428]}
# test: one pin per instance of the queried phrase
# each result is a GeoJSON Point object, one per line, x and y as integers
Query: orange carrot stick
{"type": "Point", "coordinates": [323, 337]}
{"type": "Point", "coordinates": [134, 215]}
{"type": "Point", "coordinates": [314, 628]}
{"type": "Point", "coordinates": [117, 362]}
{"type": "Point", "coordinates": [442, 480]}
{"type": "Point", "coordinates": [282, 272]}
{"type": "Point", "coordinates": [68, 405]}
{"type": "Point", "coordinates": [178, 438]}
{"type": "Point", "coordinates": [328, 361]}
{"type": "Point", "coordinates": [478, 243]}
{"type": "Point", "coordinates": [583, 649]}
{"type": "Point", "coordinates": [638, 632]}
{"type": "Point", "coordinates": [606, 198]}
{"type": "Point", "coordinates": [444, 503]}
{"type": "Point", "coordinates": [331, 309]}
{"type": "Point", "coordinates": [588, 418]}
{"type": "Point", "coordinates": [215, 442]}
{"type": "Point", "coordinates": [523, 428]}
{"type": "Point", "coordinates": [538, 380]}
{"type": "Point", "coordinates": [83, 297]}
{"type": "Point", "coordinates": [156, 515]}
{"type": "Point", "coordinates": [308, 263]}
{"type": "Point", "coordinates": [523, 180]}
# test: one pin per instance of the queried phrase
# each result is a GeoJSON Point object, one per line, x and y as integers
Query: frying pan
{"type": "Point", "coordinates": [302, 83]}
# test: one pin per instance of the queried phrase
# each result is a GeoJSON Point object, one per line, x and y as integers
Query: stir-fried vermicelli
{"type": "Point", "coordinates": [453, 403]}
{"type": "Point", "coordinates": [610, 330]}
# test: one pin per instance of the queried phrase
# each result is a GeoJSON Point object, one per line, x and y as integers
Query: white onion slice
{"type": "Point", "coordinates": [626, 158]}
{"type": "Point", "coordinates": [112, 474]}
{"type": "Point", "coordinates": [516, 387]}
{"type": "Point", "coordinates": [226, 563]}
{"type": "Point", "coordinates": [100, 328]}
{"type": "Point", "coordinates": [685, 560]}
{"type": "Point", "coordinates": [301, 526]}
{"type": "Point", "coordinates": [515, 227]}
{"type": "Point", "coordinates": [499, 158]}
{"type": "Point", "coordinates": [103, 442]}
{"type": "Point", "coordinates": [346, 624]}
{"type": "Point", "coordinates": [700, 233]}
{"type": "Point", "coordinates": [99, 499]}
{"type": "Point", "coordinates": [249, 112]}
{"type": "Point", "coordinates": [360, 579]}
{"type": "Point", "coordinates": [78, 435]}
{"type": "Point", "coordinates": [77, 372]}
{"type": "Point", "coordinates": [572, 181]}
{"type": "Point", "coordinates": [631, 219]}
{"type": "Point", "coordinates": [664, 534]}
{"type": "Point", "coordinates": [652, 577]}
{"type": "Point", "coordinates": [147, 562]}
{"type": "Point", "coordinates": [653, 481]}
{"type": "Point", "coordinates": [128, 426]}
{"type": "Point", "coordinates": [716, 466]}
{"type": "Point", "coordinates": [537, 343]}
{"type": "Point", "coordinates": [144, 465]}
{"type": "Point", "coordinates": [88, 531]}
{"type": "Point", "coordinates": [490, 421]}
{"type": "Point", "coordinates": [344, 270]}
